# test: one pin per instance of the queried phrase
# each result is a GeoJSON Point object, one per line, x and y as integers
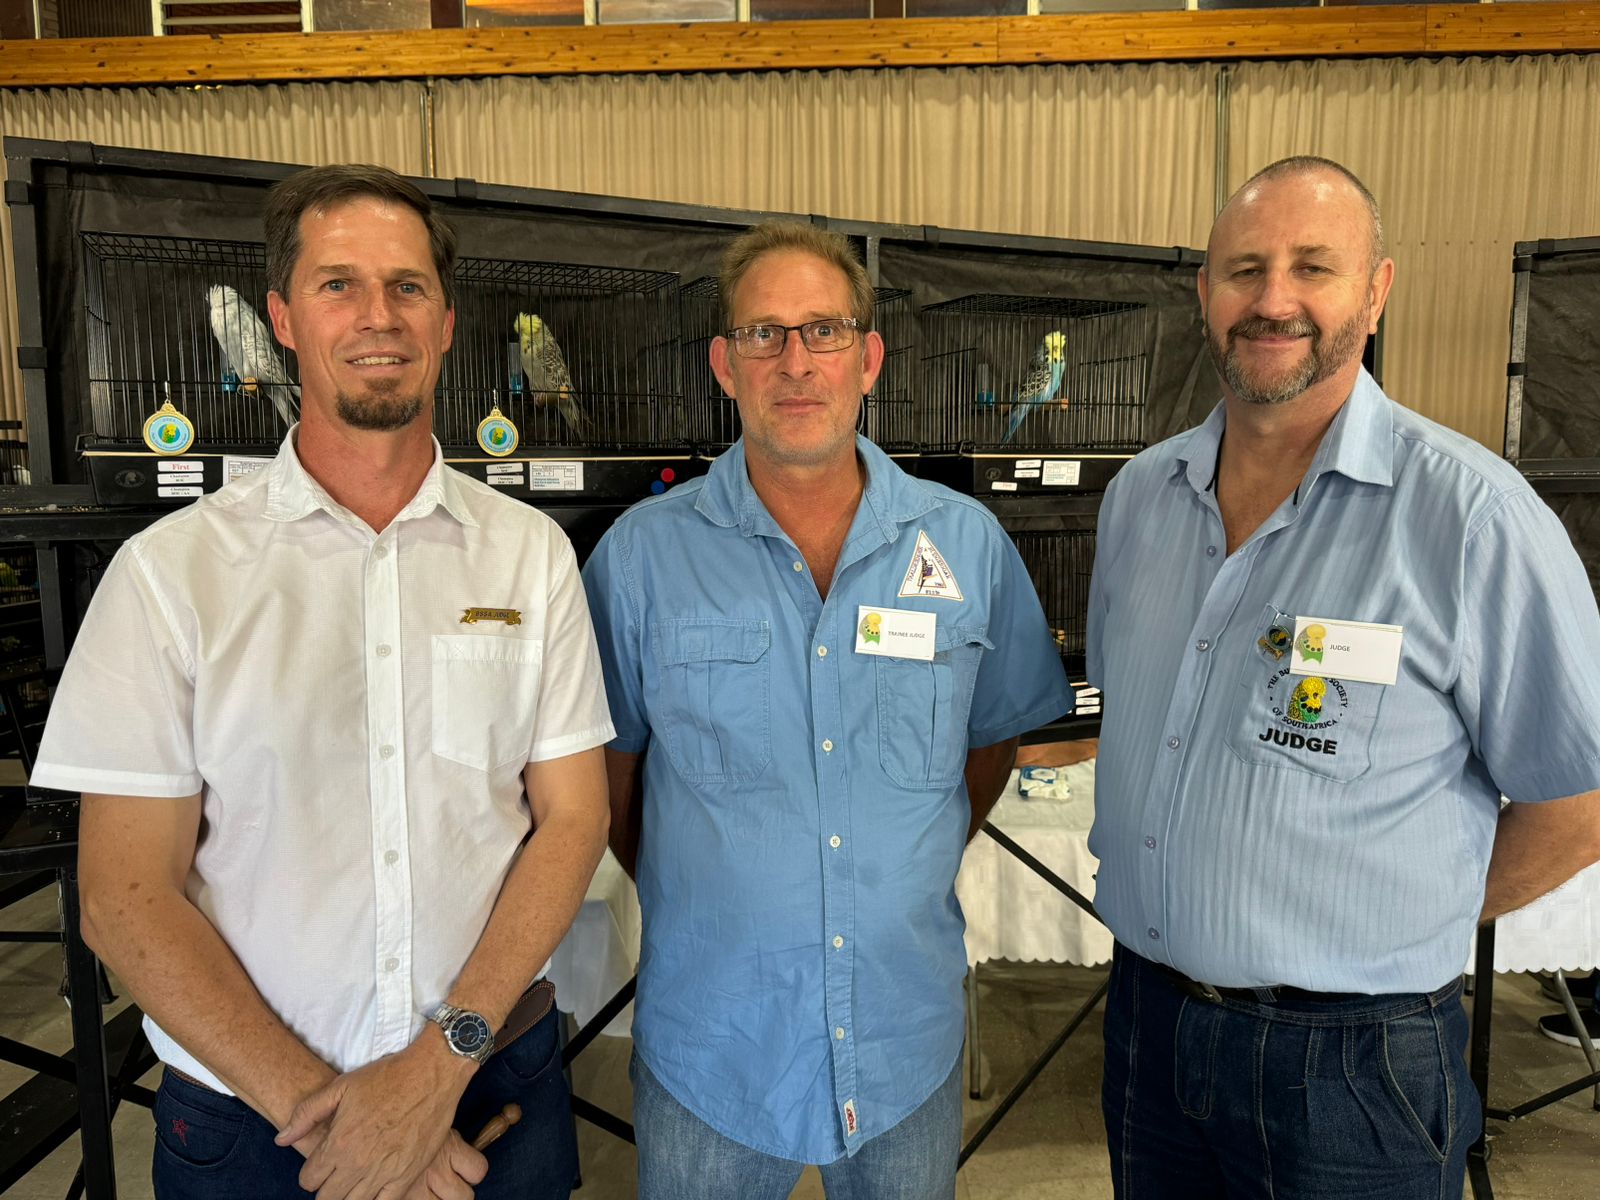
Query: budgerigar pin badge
{"type": "Point", "coordinates": [497, 434]}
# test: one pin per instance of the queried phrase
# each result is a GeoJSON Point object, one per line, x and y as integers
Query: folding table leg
{"type": "Point", "coordinates": [974, 1045]}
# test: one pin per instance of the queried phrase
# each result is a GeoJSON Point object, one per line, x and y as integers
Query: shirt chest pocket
{"type": "Point", "coordinates": [923, 708]}
{"type": "Point", "coordinates": [712, 705]}
{"type": "Point", "coordinates": [1311, 723]}
{"type": "Point", "coordinates": [485, 697]}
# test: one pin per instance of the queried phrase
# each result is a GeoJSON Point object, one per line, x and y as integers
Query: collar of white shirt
{"type": "Point", "coordinates": [292, 493]}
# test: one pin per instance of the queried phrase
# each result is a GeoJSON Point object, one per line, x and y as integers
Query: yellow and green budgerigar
{"type": "Point", "coordinates": [546, 369]}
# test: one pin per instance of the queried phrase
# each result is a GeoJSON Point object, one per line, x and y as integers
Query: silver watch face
{"type": "Point", "coordinates": [468, 1034]}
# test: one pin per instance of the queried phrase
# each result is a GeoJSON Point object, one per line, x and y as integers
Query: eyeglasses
{"type": "Point", "coordinates": [819, 337]}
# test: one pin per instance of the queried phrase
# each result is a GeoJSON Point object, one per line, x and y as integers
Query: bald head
{"type": "Point", "coordinates": [1330, 182]}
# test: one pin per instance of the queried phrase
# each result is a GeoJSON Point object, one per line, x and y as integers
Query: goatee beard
{"type": "Point", "coordinates": [380, 409]}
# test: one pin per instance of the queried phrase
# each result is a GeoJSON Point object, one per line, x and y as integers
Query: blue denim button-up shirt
{"type": "Point", "coordinates": [1246, 842]}
{"type": "Point", "coordinates": [805, 809]}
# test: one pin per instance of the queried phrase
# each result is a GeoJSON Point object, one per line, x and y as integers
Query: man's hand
{"type": "Point", "coordinates": [386, 1124]}
{"type": "Point", "coordinates": [455, 1170]}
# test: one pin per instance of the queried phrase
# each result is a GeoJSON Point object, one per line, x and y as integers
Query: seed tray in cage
{"type": "Point", "coordinates": [571, 356]}
{"type": "Point", "coordinates": [887, 415]}
{"type": "Point", "coordinates": [182, 321]}
{"type": "Point", "coordinates": [1009, 373]}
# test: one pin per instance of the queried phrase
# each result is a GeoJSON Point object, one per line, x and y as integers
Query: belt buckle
{"type": "Point", "coordinates": [1210, 993]}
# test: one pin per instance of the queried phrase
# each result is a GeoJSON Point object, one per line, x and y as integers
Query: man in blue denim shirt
{"type": "Point", "coordinates": [825, 665]}
{"type": "Point", "coordinates": [1331, 634]}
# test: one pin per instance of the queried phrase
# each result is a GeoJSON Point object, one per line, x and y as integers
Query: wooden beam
{"type": "Point", "coordinates": [761, 46]}
{"type": "Point", "coordinates": [1224, 34]}
{"type": "Point", "coordinates": [1501, 29]}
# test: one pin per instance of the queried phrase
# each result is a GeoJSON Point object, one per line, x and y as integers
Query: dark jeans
{"type": "Point", "coordinates": [1235, 1100]}
{"type": "Point", "coordinates": [214, 1147]}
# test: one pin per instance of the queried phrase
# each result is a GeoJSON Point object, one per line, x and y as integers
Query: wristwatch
{"type": "Point", "coordinates": [465, 1032]}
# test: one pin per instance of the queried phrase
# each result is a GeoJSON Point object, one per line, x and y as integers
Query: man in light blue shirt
{"type": "Point", "coordinates": [1331, 634]}
{"type": "Point", "coordinates": [825, 665]}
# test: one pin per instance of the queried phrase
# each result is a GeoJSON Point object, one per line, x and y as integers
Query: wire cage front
{"type": "Point", "coordinates": [13, 455]}
{"type": "Point", "coordinates": [183, 320]}
{"type": "Point", "coordinates": [1059, 562]}
{"type": "Point", "coordinates": [575, 356]}
{"type": "Point", "coordinates": [887, 414]}
{"type": "Point", "coordinates": [1035, 372]}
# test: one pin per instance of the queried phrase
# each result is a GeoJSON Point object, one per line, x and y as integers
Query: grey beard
{"type": "Point", "coordinates": [1324, 359]}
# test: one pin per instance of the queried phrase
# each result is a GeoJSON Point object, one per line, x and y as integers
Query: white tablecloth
{"type": "Point", "coordinates": [601, 950]}
{"type": "Point", "coordinates": [1560, 931]}
{"type": "Point", "coordinates": [1011, 912]}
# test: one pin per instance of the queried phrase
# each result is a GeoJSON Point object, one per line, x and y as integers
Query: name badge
{"type": "Point", "coordinates": [1350, 650]}
{"type": "Point", "coordinates": [895, 632]}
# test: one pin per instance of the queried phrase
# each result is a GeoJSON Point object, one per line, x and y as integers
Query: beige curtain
{"type": "Point", "coordinates": [1120, 153]}
{"type": "Point", "coordinates": [1466, 157]}
{"type": "Point", "coordinates": [306, 123]}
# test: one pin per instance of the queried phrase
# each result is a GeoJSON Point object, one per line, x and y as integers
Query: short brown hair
{"type": "Point", "coordinates": [318, 189]}
{"type": "Point", "coordinates": [770, 236]}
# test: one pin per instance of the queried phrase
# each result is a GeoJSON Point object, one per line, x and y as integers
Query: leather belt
{"type": "Point", "coordinates": [1258, 995]}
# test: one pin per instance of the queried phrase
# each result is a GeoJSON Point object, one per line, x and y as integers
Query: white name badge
{"type": "Point", "coordinates": [1354, 650]}
{"type": "Point", "coordinates": [895, 632]}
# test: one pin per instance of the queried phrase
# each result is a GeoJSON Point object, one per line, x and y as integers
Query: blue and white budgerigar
{"type": "Point", "coordinates": [1043, 383]}
{"type": "Point", "coordinates": [250, 351]}
{"type": "Point", "coordinates": [546, 369]}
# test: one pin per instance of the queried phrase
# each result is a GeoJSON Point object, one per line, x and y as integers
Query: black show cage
{"type": "Point", "coordinates": [1553, 383]}
{"type": "Point", "coordinates": [1035, 373]}
{"type": "Point", "coordinates": [579, 357]}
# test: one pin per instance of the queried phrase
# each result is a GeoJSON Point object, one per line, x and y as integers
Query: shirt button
{"type": "Point", "coordinates": [1173, 743]}
{"type": "Point", "coordinates": [1202, 645]}
{"type": "Point", "coordinates": [391, 857]}
{"type": "Point", "coordinates": [385, 751]}
{"type": "Point", "coordinates": [383, 650]}
{"type": "Point", "coordinates": [838, 942]}
{"type": "Point", "coordinates": [1155, 934]}
{"type": "Point", "coordinates": [827, 746]}
{"type": "Point", "coordinates": [390, 964]}
{"type": "Point", "coordinates": [1149, 843]}
{"type": "Point", "coordinates": [799, 566]}
{"type": "Point", "coordinates": [822, 652]}
{"type": "Point", "coordinates": [380, 552]}
{"type": "Point", "coordinates": [834, 841]}
{"type": "Point", "coordinates": [1211, 551]}
{"type": "Point", "coordinates": [839, 1033]}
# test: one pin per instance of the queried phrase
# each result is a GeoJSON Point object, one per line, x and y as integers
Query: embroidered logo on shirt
{"type": "Point", "coordinates": [872, 628]}
{"type": "Point", "coordinates": [1309, 644]}
{"type": "Point", "coordinates": [928, 574]}
{"type": "Point", "coordinates": [511, 616]}
{"type": "Point", "coordinates": [850, 1118]}
{"type": "Point", "coordinates": [1304, 702]}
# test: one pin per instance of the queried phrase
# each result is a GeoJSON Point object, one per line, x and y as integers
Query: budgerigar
{"type": "Point", "coordinates": [249, 350]}
{"type": "Point", "coordinates": [1043, 382]}
{"type": "Point", "coordinates": [546, 369]}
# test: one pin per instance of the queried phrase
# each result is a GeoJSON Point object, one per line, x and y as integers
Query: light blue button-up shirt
{"type": "Point", "coordinates": [805, 808]}
{"type": "Point", "coordinates": [1347, 853]}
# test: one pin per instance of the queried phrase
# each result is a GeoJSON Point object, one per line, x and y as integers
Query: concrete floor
{"type": "Point", "coordinates": [1050, 1146]}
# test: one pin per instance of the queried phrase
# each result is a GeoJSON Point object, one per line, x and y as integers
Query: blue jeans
{"type": "Point", "coordinates": [1295, 1100]}
{"type": "Point", "coordinates": [215, 1147]}
{"type": "Point", "coordinates": [683, 1158]}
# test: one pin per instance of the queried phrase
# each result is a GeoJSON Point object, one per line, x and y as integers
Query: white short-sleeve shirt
{"type": "Point", "coordinates": [357, 741]}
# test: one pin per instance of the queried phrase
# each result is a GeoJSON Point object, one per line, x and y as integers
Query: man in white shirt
{"type": "Point", "coordinates": [338, 731]}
